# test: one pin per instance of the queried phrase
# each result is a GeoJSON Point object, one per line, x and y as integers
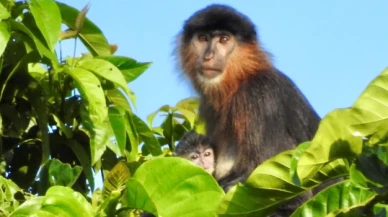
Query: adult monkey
{"type": "Point", "coordinates": [251, 109]}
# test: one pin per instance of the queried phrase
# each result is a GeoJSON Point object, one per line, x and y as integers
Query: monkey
{"type": "Point", "coordinates": [198, 149]}
{"type": "Point", "coordinates": [252, 110]}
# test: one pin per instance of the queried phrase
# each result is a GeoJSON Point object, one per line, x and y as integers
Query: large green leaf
{"type": "Point", "coordinates": [269, 185]}
{"type": "Point", "coordinates": [90, 34]}
{"type": "Point", "coordinates": [173, 187]}
{"type": "Point", "coordinates": [109, 72]}
{"type": "Point", "coordinates": [8, 191]}
{"type": "Point", "coordinates": [58, 201]}
{"type": "Point", "coordinates": [332, 141]}
{"type": "Point", "coordinates": [5, 34]}
{"type": "Point", "coordinates": [117, 121]}
{"type": "Point", "coordinates": [94, 112]}
{"type": "Point", "coordinates": [339, 198]}
{"type": "Point", "coordinates": [371, 108]}
{"type": "Point", "coordinates": [130, 68]}
{"type": "Point", "coordinates": [48, 19]}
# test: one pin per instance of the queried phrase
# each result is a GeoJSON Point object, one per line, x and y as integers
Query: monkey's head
{"type": "Point", "coordinates": [219, 45]}
{"type": "Point", "coordinates": [197, 149]}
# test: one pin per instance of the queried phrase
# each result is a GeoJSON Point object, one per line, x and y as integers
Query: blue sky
{"type": "Point", "coordinates": [331, 49]}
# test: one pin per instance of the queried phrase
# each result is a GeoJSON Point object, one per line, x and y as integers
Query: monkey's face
{"type": "Point", "coordinates": [213, 50]}
{"type": "Point", "coordinates": [203, 157]}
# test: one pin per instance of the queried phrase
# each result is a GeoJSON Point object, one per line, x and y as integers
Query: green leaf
{"type": "Point", "coordinates": [173, 187]}
{"type": "Point", "coordinates": [371, 172]}
{"type": "Point", "coordinates": [147, 135]}
{"type": "Point", "coordinates": [58, 201]}
{"type": "Point", "coordinates": [92, 95]}
{"type": "Point", "coordinates": [43, 51]}
{"type": "Point", "coordinates": [63, 174]}
{"type": "Point", "coordinates": [119, 99]}
{"type": "Point", "coordinates": [151, 117]}
{"type": "Point", "coordinates": [339, 198]}
{"type": "Point", "coordinates": [84, 160]}
{"type": "Point", "coordinates": [48, 19]}
{"type": "Point", "coordinates": [90, 35]}
{"type": "Point", "coordinates": [117, 121]}
{"type": "Point", "coordinates": [108, 71]}
{"type": "Point", "coordinates": [332, 141]}
{"type": "Point", "coordinates": [67, 201]}
{"type": "Point", "coordinates": [5, 35]}
{"type": "Point", "coordinates": [4, 14]}
{"type": "Point", "coordinates": [269, 185]}
{"type": "Point", "coordinates": [130, 68]}
{"type": "Point", "coordinates": [132, 133]}
{"type": "Point", "coordinates": [94, 112]}
{"type": "Point", "coordinates": [371, 109]}
{"type": "Point", "coordinates": [116, 179]}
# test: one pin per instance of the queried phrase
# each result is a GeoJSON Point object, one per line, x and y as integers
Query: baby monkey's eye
{"type": "Point", "coordinates": [194, 157]}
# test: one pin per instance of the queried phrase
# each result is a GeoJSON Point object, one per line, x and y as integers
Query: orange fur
{"type": "Point", "coordinates": [246, 61]}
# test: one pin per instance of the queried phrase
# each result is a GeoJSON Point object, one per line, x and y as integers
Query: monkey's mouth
{"type": "Point", "coordinates": [210, 72]}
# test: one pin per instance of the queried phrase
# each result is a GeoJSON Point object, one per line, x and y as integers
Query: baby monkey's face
{"type": "Point", "coordinates": [203, 157]}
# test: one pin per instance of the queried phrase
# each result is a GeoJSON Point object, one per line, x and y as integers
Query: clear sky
{"type": "Point", "coordinates": [331, 49]}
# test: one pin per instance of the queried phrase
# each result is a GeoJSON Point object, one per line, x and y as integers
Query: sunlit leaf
{"type": "Point", "coordinates": [339, 198]}
{"type": "Point", "coordinates": [5, 35]}
{"type": "Point", "coordinates": [4, 14]}
{"type": "Point", "coordinates": [91, 36]}
{"type": "Point", "coordinates": [130, 68]}
{"type": "Point", "coordinates": [110, 72]}
{"type": "Point", "coordinates": [173, 187]}
{"type": "Point", "coordinates": [49, 24]}
{"type": "Point", "coordinates": [117, 121]}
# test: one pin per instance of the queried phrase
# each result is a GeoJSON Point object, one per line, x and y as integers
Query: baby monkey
{"type": "Point", "coordinates": [198, 149]}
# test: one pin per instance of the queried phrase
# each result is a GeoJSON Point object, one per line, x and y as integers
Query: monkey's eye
{"type": "Point", "coordinates": [202, 38]}
{"type": "Point", "coordinates": [194, 157]}
{"type": "Point", "coordinates": [224, 39]}
{"type": "Point", "coordinates": [207, 154]}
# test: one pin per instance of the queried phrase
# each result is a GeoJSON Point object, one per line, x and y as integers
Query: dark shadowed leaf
{"type": "Point", "coordinates": [173, 187]}
{"type": "Point", "coordinates": [339, 198]}
{"type": "Point", "coordinates": [48, 19]}
{"type": "Point", "coordinates": [147, 135]}
{"type": "Point", "coordinates": [90, 34]}
{"type": "Point", "coordinates": [130, 68]}
{"type": "Point", "coordinates": [370, 172]}
{"type": "Point", "coordinates": [83, 158]}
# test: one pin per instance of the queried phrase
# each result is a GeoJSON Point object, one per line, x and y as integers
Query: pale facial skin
{"type": "Point", "coordinates": [213, 50]}
{"type": "Point", "coordinates": [203, 157]}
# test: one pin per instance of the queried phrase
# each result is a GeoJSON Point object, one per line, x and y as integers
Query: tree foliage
{"type": "Point", "coordinates": [66, 119]}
